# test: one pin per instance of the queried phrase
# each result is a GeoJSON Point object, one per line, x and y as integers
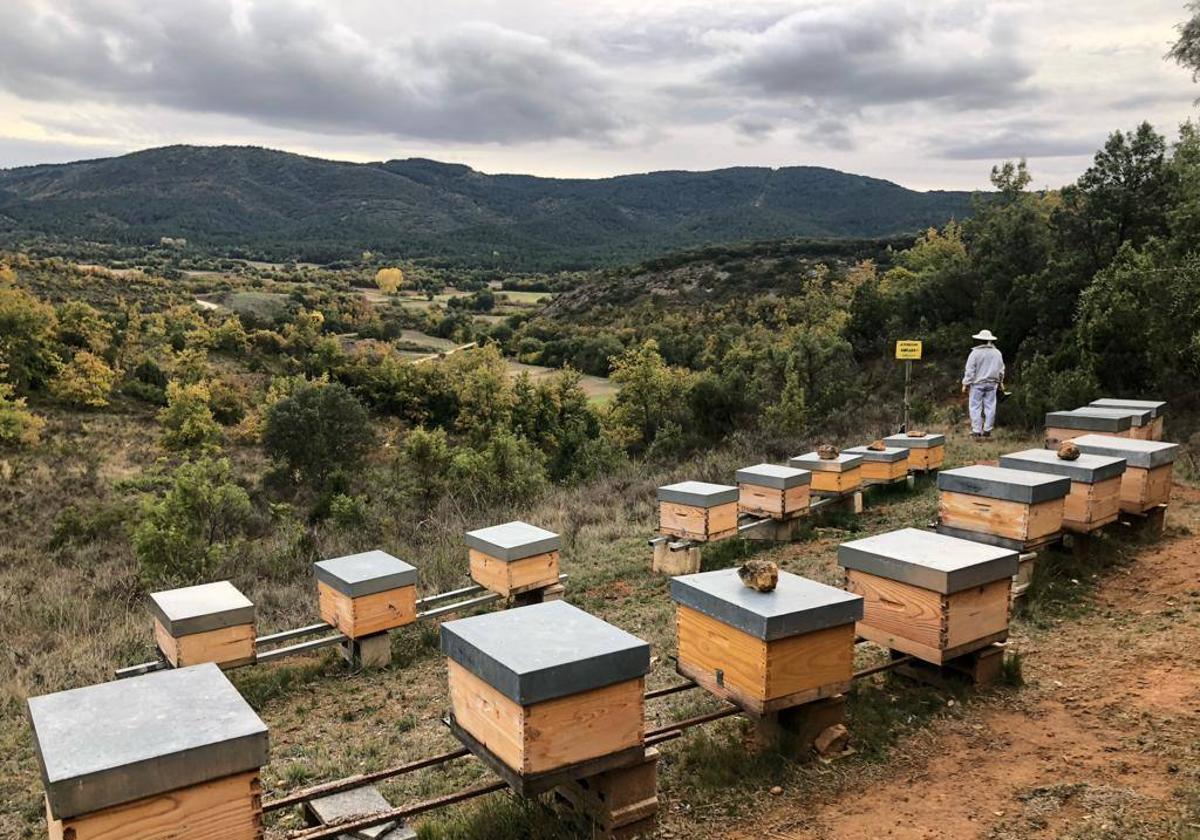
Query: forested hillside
{"type": "Point", "coordinates": [260, 203]}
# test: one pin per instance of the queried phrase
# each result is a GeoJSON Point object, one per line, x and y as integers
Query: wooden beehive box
{"type": "Point", "coordinates": [832, 477]}
{"type": "Point", "coordinates": [1157, 409]}
{"type": "Point", "coordinates": [365, 594]}
{"type": "Point", "coordinates": [697, 510]}
{"type": "Point", "coordinates": [882, 466]}
{"type": "Point", "coordinates": [930, 595]}
{"type": "Point", "coordinates": [773, 491]}
{"type": "Point", "coordinates": [1149, 465]}
{"type": "Point", "coordinates": [171, 754]}
{"type": "Point", "coordinates": [546, 688]}
{"type": "Point", "coordinates": [1016, 509]}
{"type": "Point", "coordinates": [1095, 497]}
{"type": "Point", "coordinates": [1068, 425]}
{"type": "Point", "coordinates": [513, 558]}
{"type": "Point", "coordinates": [925, 452]}
{"type": "Point", "coordinates": [212, 622]}
{"type": "Point", "coordinates": [765, 651]}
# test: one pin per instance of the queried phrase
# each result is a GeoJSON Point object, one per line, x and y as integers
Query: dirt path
{"type": "Point", "coordinates": [1103, 742]}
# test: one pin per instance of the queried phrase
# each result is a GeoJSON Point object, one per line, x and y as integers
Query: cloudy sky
{"type": "Point", "coordinates": [928, 93]}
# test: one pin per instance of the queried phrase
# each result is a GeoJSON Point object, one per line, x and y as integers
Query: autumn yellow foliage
{"type": "Point", "coordinates": [389, 280]}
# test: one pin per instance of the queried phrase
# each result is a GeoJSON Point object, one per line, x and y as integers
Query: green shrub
{"type": "Point", "coordinates": [317, 431]}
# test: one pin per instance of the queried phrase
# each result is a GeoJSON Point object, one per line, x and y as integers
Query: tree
{"type": "Point", "coordinates": [18, 425]}
{"type": "Point", "coordinates": [186, 534]}
{"type": "Point", "coordinates": [83, 327]}
{"type": "Point", "coordinates": [188, 421]}
{"type": "Point", "coordinates": [1186, 50]}
{"type": "Point", "coordinates": [318, 431]}
{"type": "Point", "coordinates": [26, 328]}
{"type": "Point", "coordinates": [85, 381]}
{"type": "Point", "coordinates": [389, 280]}
{"type": "Point", "coordinates": [651, 394]}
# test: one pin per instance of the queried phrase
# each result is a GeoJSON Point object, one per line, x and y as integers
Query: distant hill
{"type": "Point", "coordinates": [257, 202]}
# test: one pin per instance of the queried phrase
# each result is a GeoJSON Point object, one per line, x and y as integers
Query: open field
{"type": "Point", "coordinates": [1105, 728]}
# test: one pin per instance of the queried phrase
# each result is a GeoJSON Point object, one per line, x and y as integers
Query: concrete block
{"type": "Point", "coordinates": [812, 461]}
{"type": "Point", "coordinates": [1157, 408]}
{"type": "Point", "coordinates": [931, 561]}
{"type": "Point", "coordinates": [1000, 483]}
{"type": "Point", "coordinates": [698, 494]}
{"type": "Point", "coordinates": [356, 804]}
{"type": "Point", "coordinates": [1086, 469]}
{"type": "Point", "coordinates": [368, 652]}
{"type": "Point", "coordinates": [1143, 454]}
{"type": "Point", "coordinates": [773, 476]}
{"type": "Point", "coordinates": [368, 573]}
{"type": "Point", "coordinates": [116, 742]}
{"type": "Point", "coordinates": [543, 651]}
{"type": "Point", "coordinates": [923, 442]}
{"type": "Point", "coordinates": [513, 541]}
{"type": "Point", "coordinates": [1088, 421]}
{"type": "Point", "coordinates": [797, 605]}
{"type": "Point", "coordinates": [1138, 417]}
{"type": "Point", "coordinates": [890, 455]}
{"type": "Point", "coordinates": [198, 609]}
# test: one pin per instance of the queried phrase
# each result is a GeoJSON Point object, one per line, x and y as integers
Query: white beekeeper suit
{"type": "Point", "coordinates": [984, 375]}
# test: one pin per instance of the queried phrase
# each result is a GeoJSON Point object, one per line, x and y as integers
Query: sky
{"type": "Point", "coordinates": [926, 93]}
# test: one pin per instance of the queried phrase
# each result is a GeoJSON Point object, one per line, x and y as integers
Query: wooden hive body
{"type": "Point", "coordinates": [925, 453]}
{"type": "Point", "coordinates": [1094, 498]}
{"type": "Point", "coordinates": [545, 688]}
{"type": "Point", "coordinates": [764, 651]}
{"type": "Point", "coordinates": [882, 466]}
{"type": "Point", "coordinates": [1143, 489]}
{"type": "Point", "coordinates": [932, 596]}
{"type": "Point", "coordinates": [774, 492]}
{"type": "Point", "coordinates": [1147, 480]}
{"type": "Point", "coordinates": [366, 594]}
{"type": "Point", "coordinates": [172, 755]}
{"type": "Point", "coordinates": [698, 511]}
{"type": "Point", "coordinates": [1016, 508]}
{"type": "Point", "coordinates": [834, 476]}
{"type": "Point", "coordinates": [513, 558]}
{"type": "Point", "coordinates": [212, 622]}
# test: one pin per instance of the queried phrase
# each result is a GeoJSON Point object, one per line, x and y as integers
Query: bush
{"type": "Point", "coordinates": [187, 420]}
{"type": "Point", "coordinates": [317, 431]}
{"type": "Point", "coordinates": [86, 381]}
{"type": "Point", "coordinates": [185, 535]}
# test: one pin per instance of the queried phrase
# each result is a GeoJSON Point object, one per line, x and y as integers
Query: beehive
{"type": "Point", "coordinates": [513, 558]}
{"type": "Point", "coordinates": [925, 452]}
{"type": "Point", "coordinates": [537, 689]}
{"type": "Point", "coordinates": [1068, 425]}
{"type": "Point", "coordinates": [1095, 497]}
{"type": "Point", "coordinates": [832, 476]}
{"type": "Point", "coordinates": [930, 595]}
{"type": "Point", "coordinates": [1141, 420]}
{"type": "Point", "coordinates": [1149, 464]}
{"type": "Point", "coordinates": [765, 651]}
{"type": "Point", "coordinates": [368, 593]}
{"type": "Point", "coordinates": [697, 510]}
{"type": "Point", "coordinates": [212, 622]}
{"type": "Point", "coordinates": [773, 491]}
{"type": "Point", "coordinates": [1157, 409]}
{"type": "Point", "coordinates": [171, 754]}
{"type": "Point", "coordinates": [1013, 508]}
{"type": "Point", "coordinates": [882, 466]}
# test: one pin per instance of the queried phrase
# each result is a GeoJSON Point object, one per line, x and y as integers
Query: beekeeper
{"type": "Point", "coordinates": [984, 376]}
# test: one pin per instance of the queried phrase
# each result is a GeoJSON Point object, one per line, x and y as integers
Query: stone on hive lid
{"type": "Point", "coordinates": [1142, 454]}
{"type": "Point", "coordinates": [1089, 421]}
{"type": "Point", "coordinates": [1137, 416]}
{"type": "Point", "coordinates": [887, 455]}
{"type": "Point", "coordinates": [773, 476]}
{"type": "Point", "coordinates": [929, 560]}
{"type": "Point", "coordinates": [198, 609]}
{"type": "Point", "coordinates": [925, 442]}
{"type": "Point", "coordinates": [1000, 483]}
{"type": "Point", "coordinates": [1086, 469]}
{"type": "Point", "coordinates": [359, 575]}
{"type": "Point", "coordinates": [1156, 407]}
{"type": "Point", "coordinates": [543, 651]}
{"type": "Point", "coordinates": [813, 461]}
{"type": "Point", "coordinates": [513, 540]}
{"type": "Point", "coordinates": [698, 494]}
{"type": "Point", "coordinates": [107, 744]}
{"type": "Point", "coordinates": [796, 605]}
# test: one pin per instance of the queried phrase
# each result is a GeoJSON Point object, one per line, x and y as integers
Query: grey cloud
{"type": "Point", "coordinates": [830, 133]}
{"type": "Point", "coordinates": [297, 66]}
{"type": "Point", "coordinates": [875, 52]}
{"type": "Point", "coordinates": [1013, 143]}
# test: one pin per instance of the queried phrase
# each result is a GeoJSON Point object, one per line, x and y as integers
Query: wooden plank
{"type": "Point", "coordinates": [884, 471]}
{"type": "Point", "coordinates": [368, 614]}
{"type": "Point", "coordinates": [1089, 504]}
{"type": "Point", "coordinates": [1000, 517]}
{"type": "Point", "coordinates": [926, 459]}
{"type": "Point", "coordinates": [591, 724]}
{"type": "Point", "coordinates": [811, 660]}
{"type": "Point", "coordinates": [618, 797]}
{"type": "Point", "coordinates": [1156, 428]}
{"type": "Point", "coordinates": [495, 721]}
{"type": "Point", "coordinates": [977, 613]}
{"type": "Point", "coordinates": [899, 610]}
{"type": "Point", "coordinates": [925, 652]}
{"type": "Point", "coordinates": [223, 809]}
{"type": "Point", "coordinates": [516, 576]}
{"type": "Point", "coordinates": [752, 705]}
{"type": "Point", "coordinates": [1142, 489]}
{"type": "Point", "coordinates": [708, 645]}
{"type": "Point", "coordinates": [228, 647]}
{"type": "Point", "coordinates": [836, 482]}
{"type": "Point", "coordinates": [772, 502]}
{"type": "Point", "coordinates": [722, 519]}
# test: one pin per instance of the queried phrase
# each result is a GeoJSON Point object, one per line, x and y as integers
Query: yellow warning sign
{"type": "Point", "coordinates": [908, 350]}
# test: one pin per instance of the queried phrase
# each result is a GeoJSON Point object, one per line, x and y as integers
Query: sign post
{"type": "Point", "coordinates": [907, 351]}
